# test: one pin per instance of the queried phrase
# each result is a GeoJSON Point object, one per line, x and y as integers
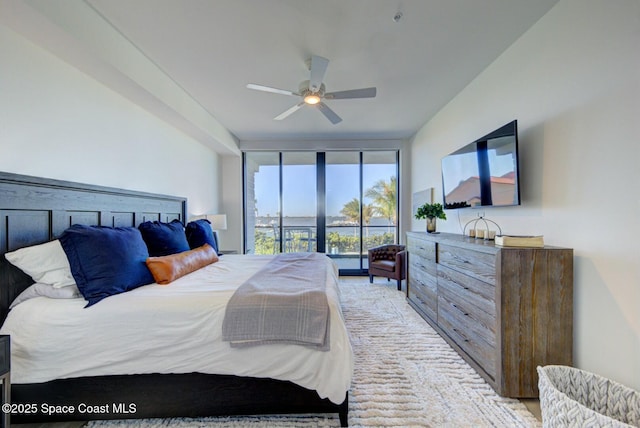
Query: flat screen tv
{"type": "Point", "coordinates": [483, 173]}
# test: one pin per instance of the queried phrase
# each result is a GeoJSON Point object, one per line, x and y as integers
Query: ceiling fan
{"type": "Point", "coordinates": [312, 91]}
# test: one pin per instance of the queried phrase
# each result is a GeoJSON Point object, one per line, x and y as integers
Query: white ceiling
{"type": "Point", "coordinates": [211, 49]}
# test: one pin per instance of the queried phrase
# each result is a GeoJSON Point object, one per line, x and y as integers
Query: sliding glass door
{"type": "Point", "coordinates": [379, 199]}
{"type": "Point", "coordinates": [361, 205]}
{"type": "Point", "coordinates": [340, 202]}
{"type": "Point", "coordinates": [344, 214]}
{"type": "Point", "coordinates": [298, 231]}
{"type": "Point", "coordinates": [280, 202]}
{"type": "Point", "coordinates": [262, 203]}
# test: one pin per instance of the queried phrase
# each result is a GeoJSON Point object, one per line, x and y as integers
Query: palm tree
{"type": "Point", "coordinates": [367, 213]}
{"type": "Point", "coordinates": [351, 210]}
{"type": "Point", "coordinates": [384, 196]}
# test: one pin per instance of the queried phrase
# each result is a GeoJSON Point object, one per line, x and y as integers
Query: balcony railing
{"type": "Point", "coordinates": [342, 241]}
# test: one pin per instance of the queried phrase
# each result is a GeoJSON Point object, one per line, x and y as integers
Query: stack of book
{"type": "Point", "coordinates": [519, 241]}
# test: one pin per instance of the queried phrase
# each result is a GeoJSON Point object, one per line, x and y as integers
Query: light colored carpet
{"type": "Point", "coordinates": [405, 376]}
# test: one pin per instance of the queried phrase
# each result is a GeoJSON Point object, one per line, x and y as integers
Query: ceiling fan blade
{"type": "Point", "coordinates": [330, 114]}
{"type": "Point", "coordinates": [318, 68]}
{"type": "Point", "coordinates": [289, 111]}
{"type": "Point", "coordinates": [270, 89]}
{"type": "Point", "coordinates": [353, 93]}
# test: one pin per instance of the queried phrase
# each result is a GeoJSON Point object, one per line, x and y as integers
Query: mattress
{"type": "Point", "coordinates": [175, 328]}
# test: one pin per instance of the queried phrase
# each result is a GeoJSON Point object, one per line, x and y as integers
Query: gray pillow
{"type": "Point", "coordinates": [45, 290]}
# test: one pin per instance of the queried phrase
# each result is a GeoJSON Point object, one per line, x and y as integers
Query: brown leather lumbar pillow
{"type": "Point", "coordinates": [166, 269]}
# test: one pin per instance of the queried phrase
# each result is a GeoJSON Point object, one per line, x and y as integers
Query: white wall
{"type": "Point", "coordinates": [57, 122]}
{"type": "Point", "coordinates": [231, 192]}
{"type": "Point", "coordinates": [573, 83]}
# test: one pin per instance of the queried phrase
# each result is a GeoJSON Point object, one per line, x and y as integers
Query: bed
{"type": "Point", "coordinates": [36, 210]}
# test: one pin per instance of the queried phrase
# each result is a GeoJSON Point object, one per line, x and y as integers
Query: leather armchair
{"type": "Point", "coordinates": [388, 261]}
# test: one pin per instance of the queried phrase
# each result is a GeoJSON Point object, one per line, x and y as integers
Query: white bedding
{"type": "Point", "coordinates": [175, 328]}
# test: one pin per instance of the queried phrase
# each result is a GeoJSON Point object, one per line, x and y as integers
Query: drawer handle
{"type": "Point", "coordinates": [458, 308]}
{"type": "Point", "coordinates": [420, 298]}
{"type": "Point", "coordinates": [461, 259]}
{"type": "Point", "coordinates": [461, 335]}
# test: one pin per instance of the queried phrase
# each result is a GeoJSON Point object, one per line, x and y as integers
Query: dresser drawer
{"type": "Point", "coordinates": [474, 320]}
{"type": "Point", "coordinates": [473, 337]}
{"type": "Point", "coordinates": [426, 303]}
{"type": "Point", "coordinates": [424, 281]}
{"type": "Point", "coordinates": [476, 264]}
{"type": "Point", "coordinates": [423, 276]}
{"type": "Point", "coordinates": [423, 270]}
{"type": "Point", "coordinates": [425, 286]}
{"type": "Point", "coordinates": [422, 249]}
{"type": "Point", "coordinates": [471, 291]}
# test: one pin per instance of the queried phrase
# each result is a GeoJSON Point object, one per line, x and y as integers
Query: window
{"type": "Point", "coordinates": [298, 231]}
{"type": "Point", "coordinates": [338, 202]}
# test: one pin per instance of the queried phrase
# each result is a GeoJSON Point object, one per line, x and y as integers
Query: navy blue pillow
{"type": "Point", "coordinates": [106, 261]}
{"type": "Point", "coordinates": [163, 239]}
{"type": "Point", "coordinates": [199, 232]}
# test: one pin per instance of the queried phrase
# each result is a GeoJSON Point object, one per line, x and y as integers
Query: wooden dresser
{"type": "Point", "coordinates": [506, 310]}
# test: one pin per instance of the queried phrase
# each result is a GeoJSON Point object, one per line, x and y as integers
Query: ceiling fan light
{"type": "Point", "coordinates": [312, 99]}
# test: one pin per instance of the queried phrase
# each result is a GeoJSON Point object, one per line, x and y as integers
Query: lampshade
{"type": "Point", "coordinates": [218, 221]}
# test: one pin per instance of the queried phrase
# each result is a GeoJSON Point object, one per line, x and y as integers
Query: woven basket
{"type": "Point", "coordinates": [570, 397]}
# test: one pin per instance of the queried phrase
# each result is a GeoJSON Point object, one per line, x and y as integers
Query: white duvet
{"type": "Point", "coordinates": [175, 328]}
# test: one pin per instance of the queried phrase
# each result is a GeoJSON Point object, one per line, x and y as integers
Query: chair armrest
{"type": "Point", "coordinates": [401, 258]}
{"type": "Point", "coordinates": [401, 265]}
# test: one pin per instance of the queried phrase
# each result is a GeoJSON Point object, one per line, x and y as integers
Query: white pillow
{"type": "Point", "coordinates": [45, 263]}
{"type": "Point", "coordinates": [38, 289]}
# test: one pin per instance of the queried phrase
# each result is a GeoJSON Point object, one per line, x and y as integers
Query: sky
{"type": "Point", "coordinates": [299, 187]}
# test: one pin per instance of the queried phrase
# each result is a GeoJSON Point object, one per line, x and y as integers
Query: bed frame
{"type": "Point", "coordinates": [35, 210]}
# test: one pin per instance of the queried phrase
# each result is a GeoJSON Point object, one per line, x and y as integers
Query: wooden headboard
{"type": "Point", "coordinates": [35, 210]}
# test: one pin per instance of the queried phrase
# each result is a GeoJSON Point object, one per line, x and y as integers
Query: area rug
{"type": "Point", "coordinates": [405, 375]}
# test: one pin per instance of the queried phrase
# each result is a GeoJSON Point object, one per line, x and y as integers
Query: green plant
{"type": "Point", "coordinates": [430, 211]}
{"type": "Point", "coordinates": [384, 198]}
